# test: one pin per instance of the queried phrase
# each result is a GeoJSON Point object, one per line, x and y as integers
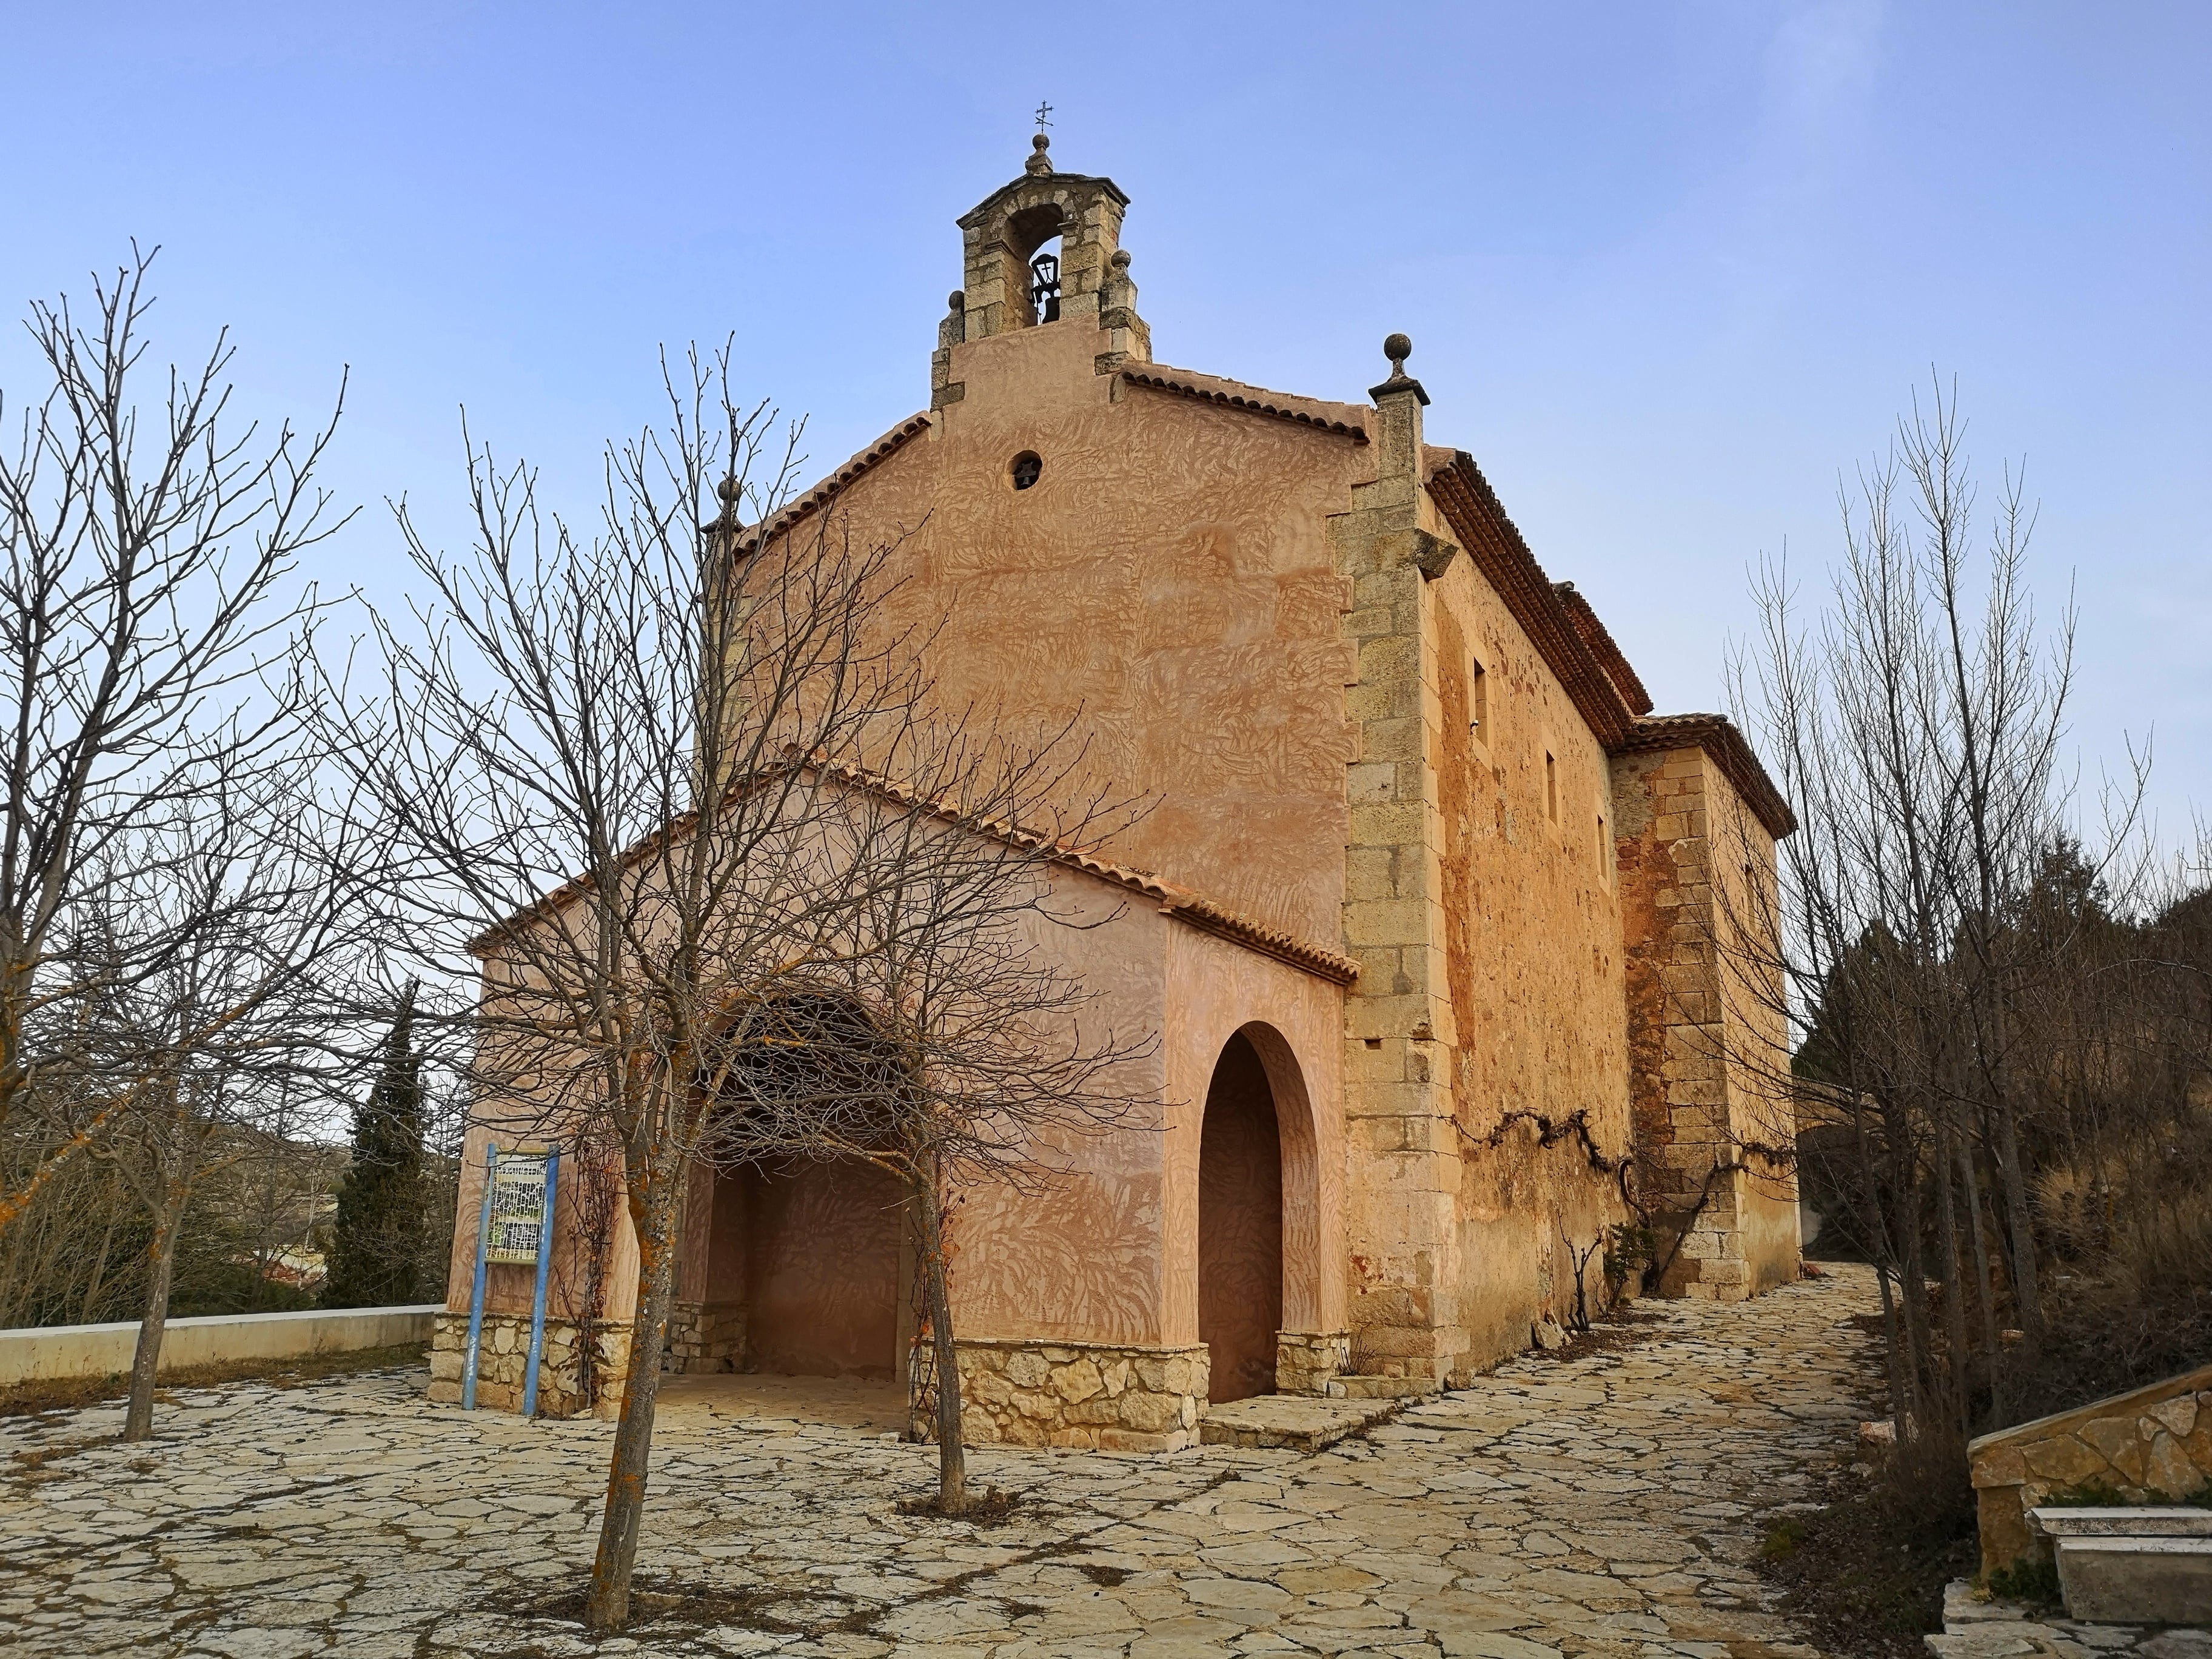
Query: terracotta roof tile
{"type": "Point", "coordinates": [1185, 904]}
{"type": "Point", "coordinates": [802, 507]}
{"type": "Point", "coordinates": [1342, 418]}
{"type": "Point", "coordinates": [1609, 657]}
{"type": "Point", "coordinates": [1717, 736]}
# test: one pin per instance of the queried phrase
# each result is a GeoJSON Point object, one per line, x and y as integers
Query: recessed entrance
{"type": "Point", "coordinates": [822, 1269]}
{"type": "Point", "coordinates": [1240, 1226]}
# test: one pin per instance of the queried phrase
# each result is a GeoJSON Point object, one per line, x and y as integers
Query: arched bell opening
{"type": "Point", "coordinates": [1032, 242]}
{"type": "Point", "coordinates": [1240, 1224]}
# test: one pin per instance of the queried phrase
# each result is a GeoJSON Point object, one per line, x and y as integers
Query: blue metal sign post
{"type": "Point", "coordinates": [477, 1294]}
{"type": "Point", "coordinates": [538, 1298]}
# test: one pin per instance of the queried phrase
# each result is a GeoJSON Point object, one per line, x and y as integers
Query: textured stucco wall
{"type": "Point", "coordinates": [1166, 577]}
{"type": "Point", "coordinates": [1534, 960]}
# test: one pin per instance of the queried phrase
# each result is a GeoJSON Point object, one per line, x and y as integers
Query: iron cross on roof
{"type": "Point", "coordinates": [1043, 110]}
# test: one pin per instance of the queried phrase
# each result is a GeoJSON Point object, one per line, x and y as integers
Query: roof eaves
{"type": "Point", "coordinates": [1190, 907]}
{"type": "Point", "coordinates": [1717, 736]}
{"type": "Point", "coordinates": [1609, 655]}
{"type": "Point", "coordinates": [1496, 545]}
{"type": "Point", "coordinates": [1232, 394]}
{"type": "Point", "coordinates": [800, 507]}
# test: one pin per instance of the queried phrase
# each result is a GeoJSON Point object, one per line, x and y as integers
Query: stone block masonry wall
{"type": "Point", "coordinates": [1400, 1212]}
{"type": "Point", "coordinates": [1714, 1198]}
{"type": "Point", "coordinates": [2153, 1445]}
{"type": "Point", "coordinates": [1311, 1361]}
{"type": "Point", "coordinates": [503, 1357]}
{"type": "Point", "coordinates": [1084, 1395]}
{"type": "Point", "coordinates": [704, 1336]}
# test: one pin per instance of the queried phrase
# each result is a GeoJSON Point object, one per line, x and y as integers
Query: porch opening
{"type": "Point", "coordinates": [1240, 1226]}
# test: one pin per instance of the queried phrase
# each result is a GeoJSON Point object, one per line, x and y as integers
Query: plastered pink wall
{"type": "Point", "coordinates": [1167, 578]}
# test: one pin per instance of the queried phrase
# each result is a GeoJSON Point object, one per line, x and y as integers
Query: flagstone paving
{"type": "Point", "coordinates": [1609, 1504]}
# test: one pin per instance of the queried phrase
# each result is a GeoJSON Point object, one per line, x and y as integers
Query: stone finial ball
{"type": "Point", "coordinates": [1042, 141]}
{"type": "Point", "coordinates": [1121, 260]}
{"type": "Point", "coordinates": [957, 300]}
{"type": "Point", "coordinates": [729, 489]}
{"type": "Point", "coordinates": [1397, 349]}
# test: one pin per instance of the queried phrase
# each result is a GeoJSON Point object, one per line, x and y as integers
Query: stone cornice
{"type": "Point", "coordinates": [1472, 509]}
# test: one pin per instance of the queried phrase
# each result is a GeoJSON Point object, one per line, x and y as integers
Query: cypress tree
{"type": "Point", "coordinates": [377, 1244]}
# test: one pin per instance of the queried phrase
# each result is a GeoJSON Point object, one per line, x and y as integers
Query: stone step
{"type": "Point", "coordinates": [2137, 1581]}
{"type": "Point", "coordinates": [1302, 1422]}
{"type": "Point", "coordinates": [1379, 1388]}
{"type": "Point", "coordinates": [2134, 1521]}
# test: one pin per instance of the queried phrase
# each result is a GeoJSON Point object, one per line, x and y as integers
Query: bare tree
{"type": "Point", "coordinates": [601, 751]}
{"type": "Point", "coordinates": [254, 890]}
{"type": "Point", "coordinates": [943, 1041]}
{"type": "Point", "coordinates": [144, 592]}
{"type": "Point", "coordinates": [1918, 729]}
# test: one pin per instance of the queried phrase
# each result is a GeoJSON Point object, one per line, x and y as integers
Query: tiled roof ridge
{"type": "Point", "coordinates": [813, 501]}
{"type": "Point", "coordinates": [1718, 735]}
{"type": "Point", "coordinates": [1551, 614]}
{"type": "Point", "coordinates": [1500, 553]}
{"type": "Point", "coordinates": [1186, 904]}
{"type": "Point", "coordinates": [1609, 655]}
{"type": "Point", "coordinates": [1235, 394]}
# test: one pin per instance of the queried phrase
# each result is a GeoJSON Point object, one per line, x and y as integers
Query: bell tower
{"type": "Point", "coordinates": [1012, 280]}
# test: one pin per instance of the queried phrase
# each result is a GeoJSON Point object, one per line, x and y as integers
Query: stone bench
{"type": "Point", "coordinates": [2142, 1565]}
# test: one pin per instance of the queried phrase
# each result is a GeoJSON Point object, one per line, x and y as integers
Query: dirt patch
{"type": "Point", "coordinates": [987, 1508]}
{"type": "Point", "coordinates": [1628, 1328]}
{"type": "Point", "coordinates": [1864, 1574]}
{"type": "Point", "coordinates": [75, 1392]}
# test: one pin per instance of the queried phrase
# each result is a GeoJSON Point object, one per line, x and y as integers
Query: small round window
{"type": "Point", "coordinates": [1027, 467]}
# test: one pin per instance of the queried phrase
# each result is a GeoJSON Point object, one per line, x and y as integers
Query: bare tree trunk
{"type": "Point", "coordinates": [138, 1419]}
{"type": "Point", "coordinates": [952, 1452]}
{"type": "Point", "coordinates": [1954, 1291]}
{"type": "Point", "coordinates": [607, 1608]}
{"type": "Point", "coordinates": [2020, 1225]}
{"type": "Point", "coordinates": [1973, 1186]}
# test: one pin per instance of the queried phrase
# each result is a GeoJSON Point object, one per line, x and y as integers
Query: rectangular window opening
{"type": "Point", "coordinates": [1551, 787]}
{"type": "Point", "coordinates": [1604, 855]}
{"type": "Point", "coordinates": [1478, 701]}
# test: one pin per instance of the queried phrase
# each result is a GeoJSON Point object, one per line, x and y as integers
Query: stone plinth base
{"type": "Point", "coordinates": [504, 1356]}
{"type": "Point", "coordinates": [1088, 1395]}
{"type": "Point", "coordinates": [704, 1336]}
{"type": "Point", "coordinates": [1307, 1362]}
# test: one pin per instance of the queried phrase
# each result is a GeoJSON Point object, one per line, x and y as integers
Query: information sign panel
{"type": "Point", "coordinates": [518, 1209]}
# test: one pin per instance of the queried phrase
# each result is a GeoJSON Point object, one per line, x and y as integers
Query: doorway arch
{"type": "Point", "coordinates": [1240, 1224]}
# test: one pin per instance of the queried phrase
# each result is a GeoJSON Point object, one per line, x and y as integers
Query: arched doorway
{"type": "Point", "coordinates": [1240, 1226]}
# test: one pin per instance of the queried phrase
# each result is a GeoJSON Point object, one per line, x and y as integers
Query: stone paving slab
{"type": "Point", "coordinates": [1979, 1626]}
{"type": "Point", "coordinates": [1610, 1505]}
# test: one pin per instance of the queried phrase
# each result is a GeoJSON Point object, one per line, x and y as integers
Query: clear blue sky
{"type": "Point", "coordinates": [1668, 267]}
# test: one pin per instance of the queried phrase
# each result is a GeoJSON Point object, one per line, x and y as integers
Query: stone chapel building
{"type": "Point", "coordinates": [1431, 917]}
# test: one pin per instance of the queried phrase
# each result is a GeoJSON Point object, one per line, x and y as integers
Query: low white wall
{"type": "Point", "coordinates": [65, 1351]}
